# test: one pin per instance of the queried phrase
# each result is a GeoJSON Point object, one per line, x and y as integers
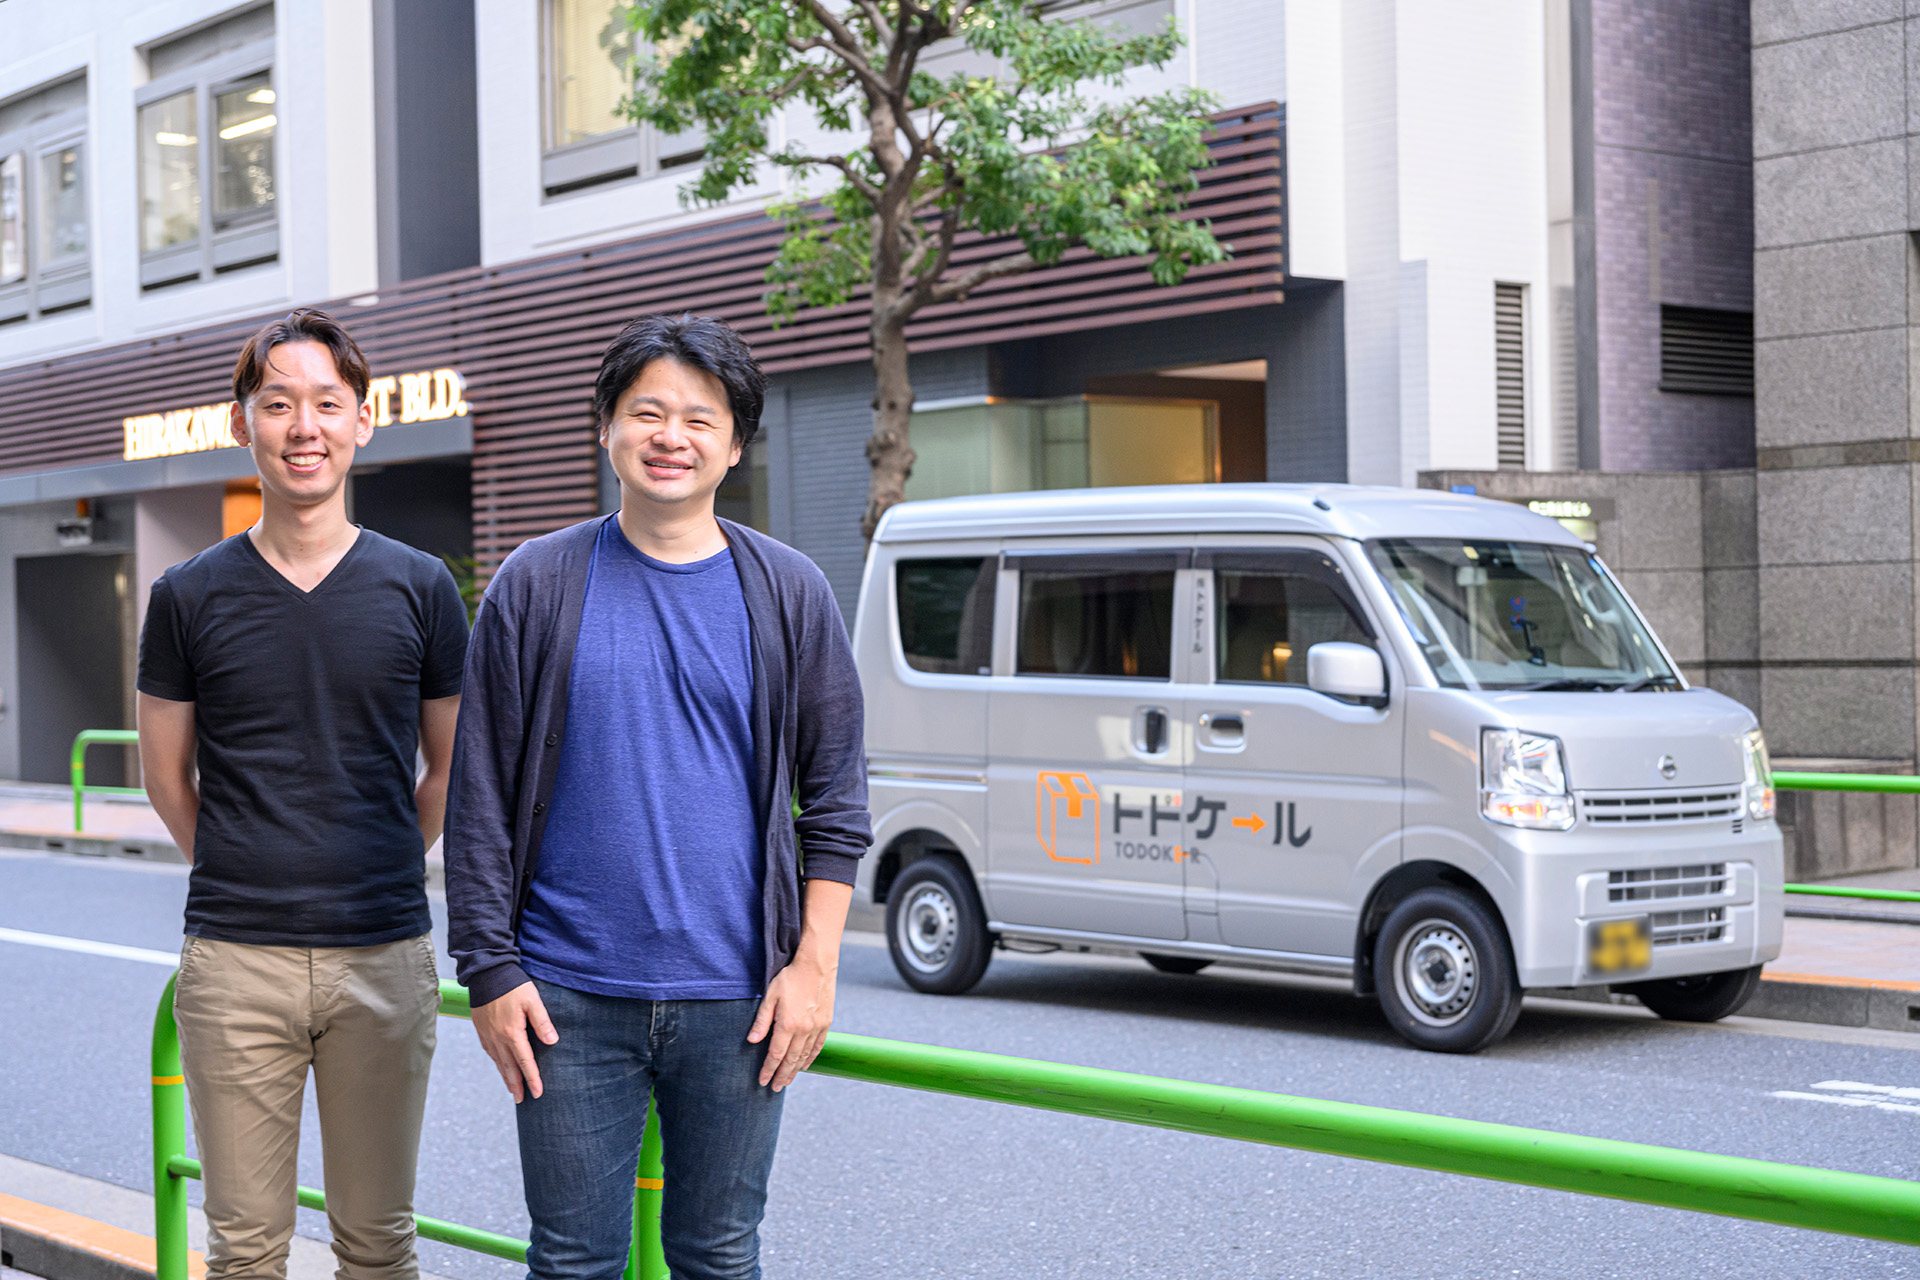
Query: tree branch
{"type": "Point", "coordinates": [960, 286]}
{"type": "Point", "coordinates": [843, 45]}
{"type": "Point", "coordinates": [855, 179]}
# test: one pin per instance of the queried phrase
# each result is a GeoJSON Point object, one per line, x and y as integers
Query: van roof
{"type": "Point", "coordinates": [1343, 510]}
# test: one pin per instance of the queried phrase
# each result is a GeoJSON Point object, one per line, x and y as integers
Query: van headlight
{"type": "Point", "coordinates": [1523, 780]}
{"type": "Point", "coordinates": [1760, 798]}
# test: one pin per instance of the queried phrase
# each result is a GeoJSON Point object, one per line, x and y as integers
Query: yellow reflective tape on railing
{"type": "Point", "coordinates": [650, 1184]}
{"type": "Point", "coordinates": [169, 1079]}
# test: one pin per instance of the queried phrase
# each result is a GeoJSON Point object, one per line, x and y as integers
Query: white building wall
{"type": "Point", "coordinates": [1472, 192]}
{"type": "Point", "coordinates": [323, 155]}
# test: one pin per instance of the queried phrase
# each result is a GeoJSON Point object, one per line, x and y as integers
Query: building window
{"type": "Point", "coordinates": [44, 264]}
{"type": "Point", "coordinates": [1510, 374]}
{"type": "Point", "coordinates": [589, 66]}
{"type": "Point", "coordinates": [997, 445]}
{"type": "Point", "coordinates": [1706, 351]}
{"type": "Point", "coordinates": [206, 121]}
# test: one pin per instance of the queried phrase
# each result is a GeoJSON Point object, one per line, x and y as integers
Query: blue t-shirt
{"type": "Point", "coordinates": [650, 874]}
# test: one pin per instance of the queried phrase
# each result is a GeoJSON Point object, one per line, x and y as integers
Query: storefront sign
{"type": "Point", "coordinates": [428, 396]}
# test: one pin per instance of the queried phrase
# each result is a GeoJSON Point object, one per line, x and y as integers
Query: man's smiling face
{"type": "Point", "coordinates": [303, 424]}
{"type": "Point", "coordinates": [671, 436]}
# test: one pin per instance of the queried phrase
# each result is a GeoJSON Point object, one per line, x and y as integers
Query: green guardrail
{"type": "Point", "coordinates": [1855, 1204]}
{"type": "Point", "coordinates": [1877, 783]}
{"type": "Point", "coordinates": [172, 1166]}
{"type": "Point", "coordinates": [88, 738]}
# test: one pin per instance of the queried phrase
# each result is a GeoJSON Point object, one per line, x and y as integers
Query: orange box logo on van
{"type": "Point", "coordinates": [1066, 816]}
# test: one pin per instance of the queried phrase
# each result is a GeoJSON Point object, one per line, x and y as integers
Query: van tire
{"type": "Point", "coordinates": [1444, 972]}
{"type": "Point", "coordinates": [1174, 964]}
{"type": "Point", "coordinates": [1700, 997]}
{"type": "Point", "coordinates": [936, 928]}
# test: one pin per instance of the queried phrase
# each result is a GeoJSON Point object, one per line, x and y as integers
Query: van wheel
{"type": "Point", "coordinates": [1174, 964]}
{"type": "Point", "coordinates": [1700, 997]}
{"type": "Point", "coordinates": [936, 929]}
{"type": "Point", "coordinates": [1445, 973]}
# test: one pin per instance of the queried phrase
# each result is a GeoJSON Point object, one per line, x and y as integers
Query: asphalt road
{"type": "Point", "coordinates": [873, 1181]}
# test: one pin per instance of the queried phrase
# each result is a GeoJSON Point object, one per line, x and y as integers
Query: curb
{"type": "Point", "coordinates": [135, 848]}
{"type": "Point", "coordinates": [88, 845]}
{"type": "Point", "coordinates": [52, 1242]}
{"type": "Point", "coordinates": [1804, 997]}
{"type": "Point", "coordinates": [1837, 1002]}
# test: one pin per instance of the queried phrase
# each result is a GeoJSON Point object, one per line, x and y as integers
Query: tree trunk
{"type": "Point", "coordinates": [889, 452]}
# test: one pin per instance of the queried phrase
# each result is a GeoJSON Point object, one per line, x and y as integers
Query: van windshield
{"type": "Point", "coordinates": [1518, 615]}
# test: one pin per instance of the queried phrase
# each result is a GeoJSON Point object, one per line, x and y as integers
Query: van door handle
{"type": "Point", "coordinates": [1150, 731]}
{"type": "Point", "coordinates": [1223, 730]}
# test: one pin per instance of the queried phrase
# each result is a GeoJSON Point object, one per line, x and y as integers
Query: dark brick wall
{"type": "Point", "coordinates": [1672, 109]}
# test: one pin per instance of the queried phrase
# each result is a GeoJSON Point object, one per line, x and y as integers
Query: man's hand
{"type": "Point", "coordinates": [798, 1009]}
{"type": "Point", "coordinates": [503, 1024]}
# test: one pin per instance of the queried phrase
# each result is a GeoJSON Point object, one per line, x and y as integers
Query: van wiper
{"type": "Point", "coordinates": [1556, 686]}
{"type": "Point", "coordinates": [1647, 682]}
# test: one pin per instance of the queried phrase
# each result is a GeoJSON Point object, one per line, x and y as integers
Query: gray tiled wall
{"type": "Point", "coordinates": [1834, 136]}
{"type": "Point", "coordinates": [1673, 219]}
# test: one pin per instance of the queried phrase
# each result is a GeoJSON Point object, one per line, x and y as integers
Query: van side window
{"type": "Point", "coordinates": [1264, 622]}
{"type": "Point", "coordinates": [1095, 623]}
{"type": "Point", "coordinates": [946, 613]}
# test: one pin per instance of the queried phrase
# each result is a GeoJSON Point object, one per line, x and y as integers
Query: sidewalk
{"type": "Point", "coordinates": [68, 1227]}
{"type": "Point", "coordinates": [36, 815]}
{"type": "Point", "coordinates": [1847, 962]}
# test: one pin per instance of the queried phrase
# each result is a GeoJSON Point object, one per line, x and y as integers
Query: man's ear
{"type": "Point", "coordinates": [237, 424]}
{"type": "Point", "coordinates": [363, 430]}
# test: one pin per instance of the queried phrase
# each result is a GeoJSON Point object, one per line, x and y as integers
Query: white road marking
{"type": "Point", "coordinates": [1855, 1093]}
{"type": "Point", "coordinates": [87, 946]}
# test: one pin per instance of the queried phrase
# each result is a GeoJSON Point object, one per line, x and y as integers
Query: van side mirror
{"type": "Point", "coordinates": [1346, 670]}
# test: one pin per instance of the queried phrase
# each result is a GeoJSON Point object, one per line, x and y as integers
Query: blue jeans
{"type": "Point", "coordinates": [580, 1140]}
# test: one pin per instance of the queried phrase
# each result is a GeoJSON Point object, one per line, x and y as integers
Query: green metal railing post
{"type": "Point", "coordinates": [78, 767]}
{"type": "Point", "coordinates": [169, 1143]}
{"type": "Point", "coordinates": [649, 1261]}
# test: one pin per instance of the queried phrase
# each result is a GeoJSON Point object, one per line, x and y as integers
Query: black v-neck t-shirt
{"type": "Point", "coordinates": [307, 711]}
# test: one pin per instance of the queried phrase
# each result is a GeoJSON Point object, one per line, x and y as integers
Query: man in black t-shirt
{"type": "Point", "coordinates": [299, 665]}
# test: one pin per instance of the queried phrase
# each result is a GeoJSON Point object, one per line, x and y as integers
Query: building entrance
{"type": "Point", "coordinates": [72, 612]}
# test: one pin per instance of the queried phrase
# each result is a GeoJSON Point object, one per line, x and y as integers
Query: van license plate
{"type": "Point", "coordinates": [1619, 946]}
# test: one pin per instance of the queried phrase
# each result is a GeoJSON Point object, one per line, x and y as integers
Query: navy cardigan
{"type": "Point", "coordinates": [808, 742]}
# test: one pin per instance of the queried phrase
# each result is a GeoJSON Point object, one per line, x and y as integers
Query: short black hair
{"type": "Point", "coordinates": [699, 342]}
{"type": "Point", "coordinates": [307, 324]}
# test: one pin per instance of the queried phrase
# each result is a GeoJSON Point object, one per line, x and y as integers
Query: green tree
{"type": "Point", "coordinates": [1037, 143]}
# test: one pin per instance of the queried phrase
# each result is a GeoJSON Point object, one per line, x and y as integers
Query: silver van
{"type": "Point", "coordinates": [1416, 740]}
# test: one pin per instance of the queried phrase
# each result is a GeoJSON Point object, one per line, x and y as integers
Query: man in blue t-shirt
{"type": "Point", "coordinates": [633, 902]}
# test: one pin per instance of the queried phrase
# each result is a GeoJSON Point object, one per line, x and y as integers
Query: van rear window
{"type": "Point", "coordinates": [1117, 624]}
{"type": "Point", "coordinates": [946, 613]}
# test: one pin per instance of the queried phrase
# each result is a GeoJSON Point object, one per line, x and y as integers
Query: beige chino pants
{"type": "Point", "coordinates": [253, 1020]}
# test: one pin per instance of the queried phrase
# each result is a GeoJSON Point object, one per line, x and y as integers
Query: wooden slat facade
{"type": "Point", "coordinates": [528, 335]}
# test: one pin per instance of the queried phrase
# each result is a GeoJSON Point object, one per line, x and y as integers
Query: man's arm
{"type": "Point", "coordinates": [833, 830]}
{"type": "Point", "coordinates": [798, 1007]}
{"type": "Point", "coordinates": [482, 797]}
{"type": "Point", "coordinates": [438, 716]}
{"type": "Point", "coordinates": [167, 742]}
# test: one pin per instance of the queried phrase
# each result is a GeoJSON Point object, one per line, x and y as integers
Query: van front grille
{"type": "Point", "coordinates": [1648, 884]}
{"type": "Point", "coordinates": [1614, 808]}
{"type": "Point", "coordinates": [1683, 928]}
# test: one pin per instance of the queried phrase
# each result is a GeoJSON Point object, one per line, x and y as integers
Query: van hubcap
{"type": "Point", "coordinates": [1438, 973]}
{"type": "Point", "coordinates": [929, 927]}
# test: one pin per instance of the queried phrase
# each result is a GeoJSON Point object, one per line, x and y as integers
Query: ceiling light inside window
{"type": "Point", "coordinates": [176, 139]}
{"type": "Point", "coordinates": [258, 124]}
{"type": "Point", "coordinates": [264, 96]}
